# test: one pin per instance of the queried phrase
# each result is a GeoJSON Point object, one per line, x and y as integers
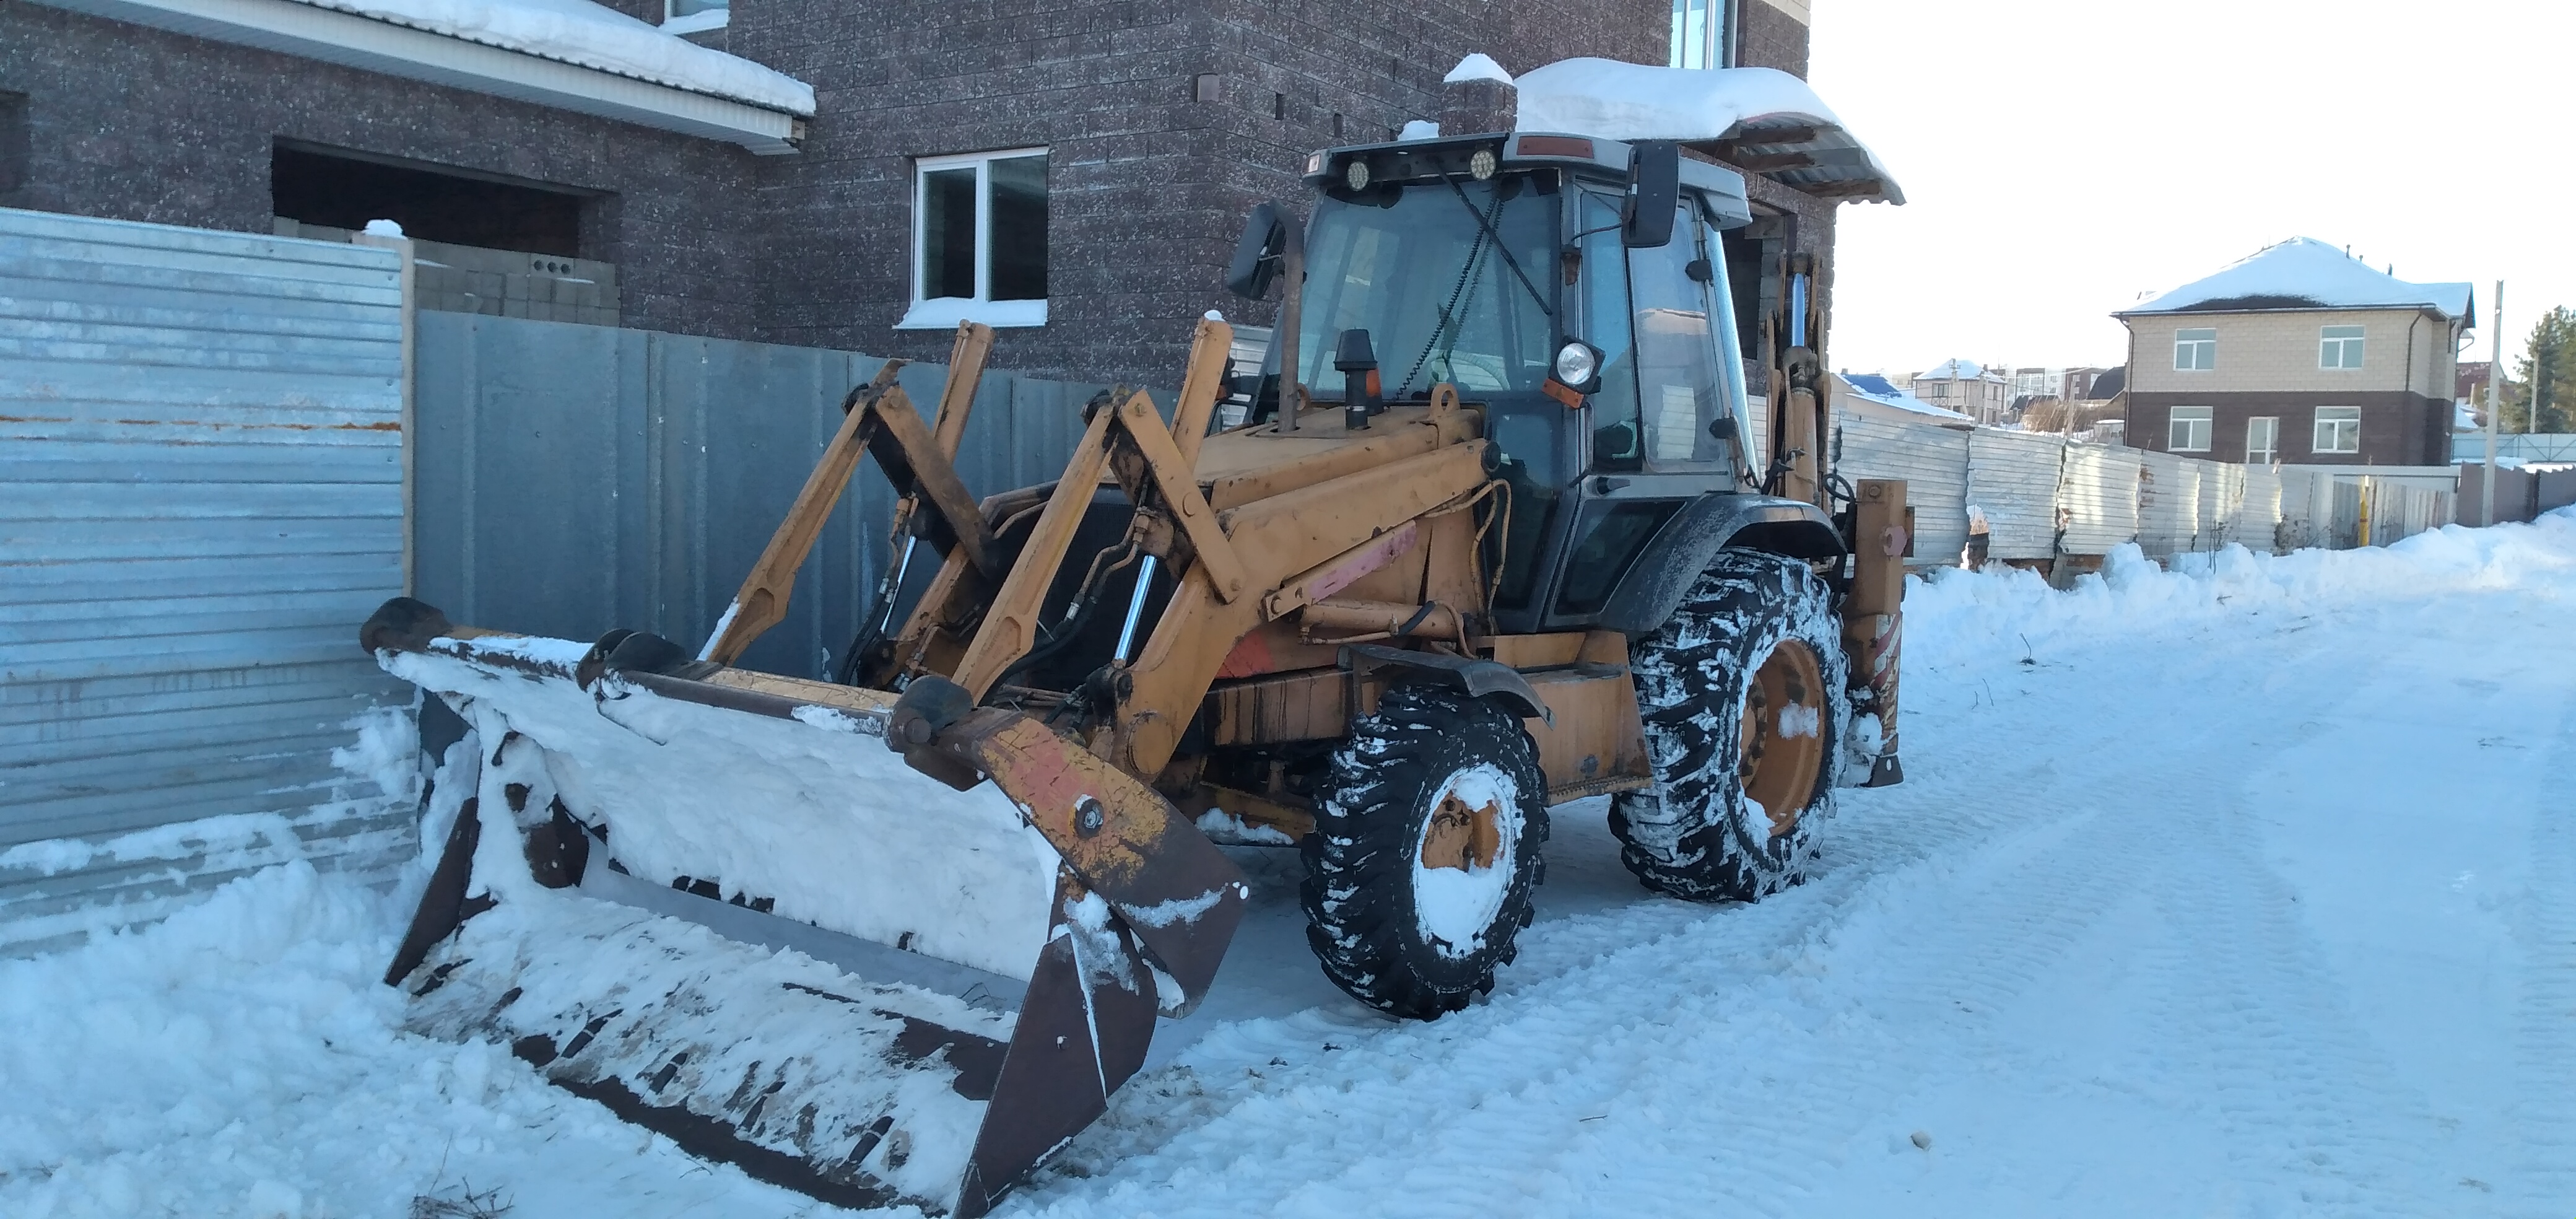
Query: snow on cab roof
{"type": "Point", "coordinates": [2304, 273]}
{"type": "Point", "coordinates": [591, 36]}
{"type": "Point", "coordinates": [1761, 118]}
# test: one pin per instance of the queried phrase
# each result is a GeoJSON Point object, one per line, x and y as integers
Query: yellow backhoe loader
{"type": "Point", "coordinates": [1490, 535]}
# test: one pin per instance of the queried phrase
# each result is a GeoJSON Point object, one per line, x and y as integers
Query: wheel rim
{"type": "Point", "coordinates": [1784, 739]}
{"type": "Point", "coordinates": [1462, 867]}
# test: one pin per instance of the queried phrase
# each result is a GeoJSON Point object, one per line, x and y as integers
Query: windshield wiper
{"type": "Point", "coordinates": [1500, 246]}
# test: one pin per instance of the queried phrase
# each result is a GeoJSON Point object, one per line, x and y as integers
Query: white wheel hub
{"type": "Point", "coordinates": [1463, 866]}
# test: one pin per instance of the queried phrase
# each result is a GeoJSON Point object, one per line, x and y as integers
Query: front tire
{"type": "Point", "coordinates": [1744, 697]}
{"type": "Point", "coordinates": [1425, 846]}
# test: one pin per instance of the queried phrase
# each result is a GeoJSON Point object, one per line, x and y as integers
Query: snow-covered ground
{"type": "Point", "coordinates": [2236, 892]}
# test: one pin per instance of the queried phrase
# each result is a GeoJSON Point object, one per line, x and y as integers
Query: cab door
{"type": "Point", "coordinates": [1670, 378]}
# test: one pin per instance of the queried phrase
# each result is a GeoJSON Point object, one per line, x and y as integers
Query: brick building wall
{"type": "Point", "coordinates": [2267, 366]}
{"type": "Point", "coordinates": [1147, 184]}
{"type": "Point", "coordinates": [1774, 35]}
{"type": "Point", "coordinates": [2404, 350]}
{"type": "Point", "coordinates": [134, 123]}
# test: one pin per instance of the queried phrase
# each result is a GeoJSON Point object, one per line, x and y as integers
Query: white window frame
{"type": "Point", "coordinates": [2272, 452]}
{"type": "Point", "coordinates": [2346, 350]}
{"type": "Point", "coordinates": [711, 19]}
{"type": "Point", "coordinates": [2190, 340]}
{"type": "Point", "coordinates": [2317, 432]}
{"type": "Point", "coordinates": [944, 313]}
{"type": "Point", "coordinates": [2203, 424]}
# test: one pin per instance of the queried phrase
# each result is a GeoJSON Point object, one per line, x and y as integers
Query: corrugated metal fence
{"type": "Point", "coordinates": [573, 479]}
{"type": "Point", "coordinates": [2107, 495]}
{"type": "Point", "coordinates": [201, 494]}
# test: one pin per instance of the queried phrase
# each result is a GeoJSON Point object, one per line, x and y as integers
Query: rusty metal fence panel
{"type": "Point", "coordinates": [201, 490]}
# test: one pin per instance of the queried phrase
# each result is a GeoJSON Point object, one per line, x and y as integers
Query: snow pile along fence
{"type": "Point", "coordinates": [201, 480]}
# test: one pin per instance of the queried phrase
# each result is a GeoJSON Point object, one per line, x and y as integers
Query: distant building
{"type": "Point", "coordinates": [1872, 396]}
{"type": "Point", "coordinates": [1980, 393]}
{"type": "Point", "coordinates": [2299, 354]}
{"type": "Point", "coordinates": [2076, 384]}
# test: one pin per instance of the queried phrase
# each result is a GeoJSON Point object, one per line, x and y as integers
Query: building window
{"type": "Point", "coordinates": [2195, 350]}
{"type": "Point", "coordinates": [2190, 433]}
{"type": "Point", "coordinates": [1699, 34]}
{"type": "Point", "coordinates": [2338, 429]}
{"type": "Point", "coordinates": [2262, 440]}
{"type": "Point", "coordinates": [690, 16]}
{"type": "Point", "coordinates": [979, 240]}
{"type": "Point", "coordinates": [2340, 348]}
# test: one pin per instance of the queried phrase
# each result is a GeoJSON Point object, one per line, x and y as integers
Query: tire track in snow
{"type": "Point", "coordinates": [2545, 1050]}
{"type": "Point", "coordinates": [1810, 1083]}
{"type": "Point", "coordinates": [2296, 1087]}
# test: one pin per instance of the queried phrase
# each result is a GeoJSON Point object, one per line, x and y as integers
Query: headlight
{"type": "Point", "coordinates": [1356, 173]}
{"type": "Point", "coordinates": [1577, 363]}
{"type": "Point", "coordinates": [1481, 166]}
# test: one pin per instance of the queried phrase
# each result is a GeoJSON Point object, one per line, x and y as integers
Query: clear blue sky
{"type": "Point", "coordinates": [2064, 156]}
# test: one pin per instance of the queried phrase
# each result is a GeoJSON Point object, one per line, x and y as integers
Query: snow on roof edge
{"type": "Point", "coordinates": [1626, 101]}
{"type": "Point", "coordinates": [1477, 66]}
{"type": "Point", "coordinates": [2311, 275]}
{"type": "Point", "coordinates": [589, 35]}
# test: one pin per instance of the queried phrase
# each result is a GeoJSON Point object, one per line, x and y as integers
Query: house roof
{"type": "Point", "coordinates": [1762, 120]}
{"type": "Point", "coordinates": [2109, 384]}
{"type": "Point", "coordinates": [1954, 370]}
{"type": "Point", "coordinates": [2304, 273]}
{"type": "Point", "coordinates": [568, 54]}
{"type": "Point", "coordinates": [1880, 390]}
{"type": "Point", "coordinates": [593, 36]}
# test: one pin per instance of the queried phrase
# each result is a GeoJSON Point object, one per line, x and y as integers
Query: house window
{"type": "Point", "coordinates": [1699, 34]}
{"type": "Point", "coordinates": [2195, 350]}
{"type": "Point", "coordinates": [2338, 429]}
{"type": "Point", "coordinates": [2340, 347]}
{"type": "Point", "coordinates": [2190, 431]}
{"type": "Point", "coordinates": [690, 16]}
{"type": "Point", "coordinates": [2262, 440]}
{"type": "Point", "coordinates": [979, 241]}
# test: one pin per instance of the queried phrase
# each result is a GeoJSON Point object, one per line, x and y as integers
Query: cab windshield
{"type": "Point", "coordinates": [1419, 267]}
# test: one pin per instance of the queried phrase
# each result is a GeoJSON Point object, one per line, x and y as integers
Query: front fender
{"type": "Point", "coordinates": [1673, 560]}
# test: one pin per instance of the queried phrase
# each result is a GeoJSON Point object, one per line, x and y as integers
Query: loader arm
{"type": "Point", "coordinates": [878, 406]}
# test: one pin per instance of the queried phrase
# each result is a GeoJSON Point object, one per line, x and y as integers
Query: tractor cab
{"type": "Point", "coordinates": [1574, 290]}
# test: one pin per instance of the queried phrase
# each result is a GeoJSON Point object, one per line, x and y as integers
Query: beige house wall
{"type": "Point", "coordinates": [2276, 351]}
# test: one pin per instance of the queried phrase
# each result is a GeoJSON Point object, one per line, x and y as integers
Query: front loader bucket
{"type": "Point", "coordinates": [636, 836]}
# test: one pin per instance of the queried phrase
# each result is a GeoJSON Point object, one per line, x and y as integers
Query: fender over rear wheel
{"type": "Point", "coordinates": [1744, 696]}
{"type": "Point", "coordinates": [1418, 872]}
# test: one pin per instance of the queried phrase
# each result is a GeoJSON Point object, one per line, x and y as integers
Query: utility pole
{"type": "Point", "coordinates": [2495, 407]}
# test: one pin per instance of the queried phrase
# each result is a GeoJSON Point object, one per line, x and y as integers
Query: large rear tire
{"type": "Point", "coordinates": [1744, 696]}
{"type": "Point", "coordinates": [1418, 872]}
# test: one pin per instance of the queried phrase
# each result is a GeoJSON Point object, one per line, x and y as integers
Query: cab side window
{"type": "Point", "coordinates": [1678, 372]}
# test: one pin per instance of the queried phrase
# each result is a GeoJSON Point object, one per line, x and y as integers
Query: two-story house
{"type": "Point", "coordinates": [1975, 390]}
{"type": "Point", "coordinates": [857, 175]}
{"type": "Point", "coordinates": [2299, 354]}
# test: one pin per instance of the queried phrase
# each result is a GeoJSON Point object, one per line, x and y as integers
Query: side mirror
{"type": "Point", "coordinates": [1654, 190]}
{"type": "Point", "coordinates": [1256, 254]}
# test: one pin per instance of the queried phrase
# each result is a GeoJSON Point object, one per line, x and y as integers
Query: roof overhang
{"type": "Point", "coordinates": [396, 50]}
{"type": "Point", "coordinates": [1818, 158]}
{"type": "Point", "coordinates": [1763, 121]}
